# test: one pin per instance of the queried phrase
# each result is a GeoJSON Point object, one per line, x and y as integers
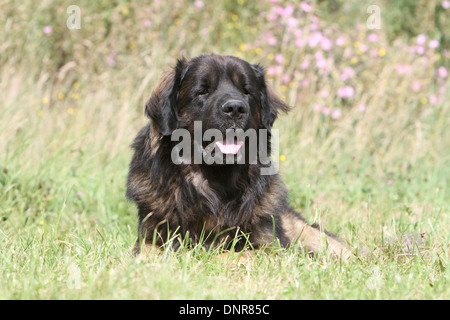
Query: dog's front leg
{"type": "Point", "coordinates": [314, 239]}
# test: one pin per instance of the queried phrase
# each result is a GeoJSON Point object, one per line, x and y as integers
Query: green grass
{"type": "Point", "coordinates": [67, 231]}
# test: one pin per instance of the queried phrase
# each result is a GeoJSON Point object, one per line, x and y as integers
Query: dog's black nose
{"type": "Point", "coordinates": [235, 108]}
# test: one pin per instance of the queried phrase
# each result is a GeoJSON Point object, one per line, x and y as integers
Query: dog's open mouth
{"type": "Point", "coordinates": [229, 147]}
{"type": "Point", "coordinates": [219, 150]}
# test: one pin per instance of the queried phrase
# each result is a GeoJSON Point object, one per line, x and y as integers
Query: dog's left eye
{"type": "Point", "coordinates": [202, 91]}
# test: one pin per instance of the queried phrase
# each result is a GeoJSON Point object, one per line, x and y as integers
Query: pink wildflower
{"type": "Point", "coordinates": [271, 40]}
{"type": "Point", "coordinates": [285, 78]}
{"type": "Point", "coordinates": [316, 107]}
{"type": "Point", "coordinates": [403, 69]}
{"type": "Point", "coordinates": [326, 111]}
{"type": "Point", "coordinates": [433, 44]}
{"type": "Point", "coordinates": [199, 4]}
{"type": "Point", "coordinates": [314, 39]}
{"type": "Point", "coordinates": [421, 38]}
{"type": "Point", "coordinates": [110, 60]}
{"type": "Point", "coordinates": [47, 29]}
{"type": "Point", "coordinates": [274, 70]}
{"type": "Point", "coordinates": [279, 58]}
{"type": "Point", "coordinates": [416, 86]}
{"type": "Point", "coordinates": [336, 114]}
{"type": "Point", "coordinates": [305, 83]}
{"type": "Point", "coordinates": [373, 37]}
{"type": "Point", "coordinates": [346, 92]}
{"type": "Point", "coordinates": [304, 65]}
{"type": "Point", "coordinates": [326, 44]}
{"type": "Point", "coordinates": [420, 50]}
{"type": "Point", "coordinates": [443, 73]}
{"type": "Point", "coordinates": [321, 63]}
{"type": "Point", "coordinates": [361, 107]}
{"type": "Point", "coordinates": [289, 10]}
{"type": "Point", "coordinates": [279, 10]}
{"type": "Point", "coordinates": [362, 47]}
{"type": "Point", "coordinates": [305, 6]}
{"type": "Point", "coordinates": [347, 73]}
{"type": "Point", "coordinates": [299, 42]}
{"type": "Point", "coordinates": [292, 22]}
{"type": "Point", "coordinates": [340, 41]}
{"type": "Point", "coordinates": [433, 99]}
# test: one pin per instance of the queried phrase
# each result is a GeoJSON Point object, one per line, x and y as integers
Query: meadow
{"type": "Point", "coordinates": [364, 150]}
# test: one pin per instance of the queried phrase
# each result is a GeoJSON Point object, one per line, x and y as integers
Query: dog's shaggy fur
{"type": "Point", "coordinates": [214, 203]}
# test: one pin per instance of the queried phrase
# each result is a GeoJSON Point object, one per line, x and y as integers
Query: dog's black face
{"type": "Point", "coordinates": [223, 93]}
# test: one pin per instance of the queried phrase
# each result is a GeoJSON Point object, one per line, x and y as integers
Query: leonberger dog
{"type": "Point", "coordinates": [215, 203]}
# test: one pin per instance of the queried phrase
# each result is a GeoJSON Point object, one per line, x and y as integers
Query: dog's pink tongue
{"type": "Point", "coordinates": [230, 147]}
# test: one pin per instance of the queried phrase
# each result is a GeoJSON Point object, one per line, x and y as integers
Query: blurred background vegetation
{"type": "Point", "coordinates": [128, 30]}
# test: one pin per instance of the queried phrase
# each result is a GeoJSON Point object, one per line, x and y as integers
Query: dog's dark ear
{"type": "Point", "coordinates": [160, 107]}
{"type": "Point", "coordinates": [271, 104]}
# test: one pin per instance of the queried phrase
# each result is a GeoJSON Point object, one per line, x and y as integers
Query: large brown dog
{"type": "Point", "coordinates": [212, 203]}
